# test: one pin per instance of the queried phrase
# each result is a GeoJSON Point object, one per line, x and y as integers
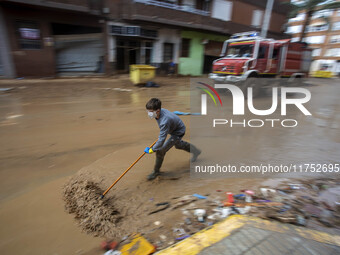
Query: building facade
{"type": "Point", "coordinates": [323, 35]}
{"type": "Point", "coordinates": [44, 38]}
{"type": "Point", "coordinates": [49, 38]}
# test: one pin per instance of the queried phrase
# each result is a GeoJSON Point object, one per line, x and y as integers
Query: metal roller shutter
{"type": "Point", "coordinates": [79, 53]}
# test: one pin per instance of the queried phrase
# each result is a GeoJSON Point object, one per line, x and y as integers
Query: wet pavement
{"type": "Point", "coordinates": [49, 129]}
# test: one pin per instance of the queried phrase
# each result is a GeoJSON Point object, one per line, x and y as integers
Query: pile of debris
{"type": "Point", "coordinates": [94, 215]}
{"type": "Point", "coordinates": [306, 203]}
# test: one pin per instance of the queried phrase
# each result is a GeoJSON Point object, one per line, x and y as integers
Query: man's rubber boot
{"type": "Point", "coordinates": [156, 170]}
{"type": "Point", "coordinates": [153, 175]}
{"type": "Point", "coordinates": [195, 153]}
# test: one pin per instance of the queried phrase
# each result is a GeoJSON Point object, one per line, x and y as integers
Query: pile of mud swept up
{"type": "Point", "coordinates": [95, 216]}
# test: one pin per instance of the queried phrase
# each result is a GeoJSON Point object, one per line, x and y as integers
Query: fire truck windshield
{"type": "Point", "coordinates": [240, 51]}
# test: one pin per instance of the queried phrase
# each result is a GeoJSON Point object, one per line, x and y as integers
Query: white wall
{"type": "Point", "coordinates": [318, 39]}
{"type": "Point", "coordinates": [316, 52]}
{"type": "Point", "coordinates": [335, 52]}
{"type": "Point", "coordinates": [257, 18]}
{"type": "Point", "coordinates": [111, 40]}
{"type": "Point", "coordinates": [299, 17]}
{"type": "Point", "coordinates": [222, 9]}
{"type": "Point", "coordinates": [166, 36]}
{"type": "Point", "coordinates": [294, 29]}
{"type": "Point", "coordinates": [334, 39]}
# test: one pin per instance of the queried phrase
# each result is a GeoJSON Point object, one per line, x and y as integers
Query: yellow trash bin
{"type": "Point", "coordinates": [322, 74]}
{"type": "Point", "coordinates": [141, 73]}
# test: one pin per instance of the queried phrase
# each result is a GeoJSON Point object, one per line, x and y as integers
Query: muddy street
{"type": "Point", "coordinates": [92, 129]}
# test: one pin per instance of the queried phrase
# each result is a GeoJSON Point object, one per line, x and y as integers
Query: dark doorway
{"type": "Point", "coordinates": [208, 62]}
{"type": "Point", "coordinates": [168, 52]}
{"type": "Point", "coordinates": [212, 50]}
{"type": "Point", "coordinates": [120, 58]}
{"type": "Point", "coordinates": [127, 53]}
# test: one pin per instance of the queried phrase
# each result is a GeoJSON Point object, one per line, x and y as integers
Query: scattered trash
{"type": "Point", "coordinates": [282, 192]}
{"type": "Point", "coordinates": [186, 212]}
{"type": "Point", "coordinates": [188, 221]}
{"type": "Point", "coordinates": [181, 201]}
{"type": "Point", "coordinates": [249, 194]}
{"type": "Point", "coordinates": [200, 213]}
{"type": "Point", "coordinates": [243, 210]}
{"type": "Point", "coordinates": [138, 245]}
{"type": "Point", "coordinates": [199, 196]}
{"type": "Point", "coordinates": [220, 213]}
{"type": "Point", "coordinates": [312, 210]}
{"type": "Point", "coordinates": [151, 84]}
{"type": "Point", "coordinates": [179, 231]}
{"type": "Point", "coordinates": [109, 245]}
{"type": "Point", "coordinates": [267, 192]}
{"type": "Point", "coordinates": [164, 205]}
{"type": "Point", "coordinates": [230, 199]}
{"type": "Point", "coordinates": [112, 252]}
{"type": "Point", "coordinates": [163, 237]}
{"type": "Point", "coordinates": [294, 186]}
{"type": "Point", "coordinates": [157, 223]}
{"type": "Point", "coordinates": [330, 196]}
{"type": "Point", "coordinates": [182, 237]}
{"type": "Point", "coordinates": [300, 220]}
{"type": "Point", "coordinates": [240, 196]}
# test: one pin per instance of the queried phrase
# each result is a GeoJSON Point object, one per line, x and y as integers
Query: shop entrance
{"type": "Point", "coordinates": [131, 52]}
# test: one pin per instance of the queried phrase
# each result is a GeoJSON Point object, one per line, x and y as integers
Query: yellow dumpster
{"type": "Point", "coordinates": [141, 73]}
{"type": "Point", "coordinates": [322, 74]}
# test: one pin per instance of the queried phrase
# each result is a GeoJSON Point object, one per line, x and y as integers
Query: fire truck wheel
{"type": "Point", "coordinates": [254, 83]}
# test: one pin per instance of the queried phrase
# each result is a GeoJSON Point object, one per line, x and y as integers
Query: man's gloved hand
{"type": "Point", "coordinates": [148, 150]}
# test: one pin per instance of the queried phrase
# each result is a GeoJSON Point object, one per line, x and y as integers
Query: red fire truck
{"type": "Point", "coordinates": [246, 56]}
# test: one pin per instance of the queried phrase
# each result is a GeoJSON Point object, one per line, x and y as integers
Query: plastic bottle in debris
{"type": "Point", "coordinates": [230, 197]}
{"type": "Point", "coordinates": [249, 194]}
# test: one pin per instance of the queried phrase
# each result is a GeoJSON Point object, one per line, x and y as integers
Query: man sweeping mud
{"type": "Point", "coordinates": [169, 123]}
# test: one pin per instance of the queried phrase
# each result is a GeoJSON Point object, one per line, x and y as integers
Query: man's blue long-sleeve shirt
{"type": "Point", "coordinates": [169, 123]}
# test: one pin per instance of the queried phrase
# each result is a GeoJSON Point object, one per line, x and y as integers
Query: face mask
{"type": "Point", "coordinates": [152, 115]}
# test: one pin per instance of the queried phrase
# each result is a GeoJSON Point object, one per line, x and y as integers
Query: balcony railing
{"type": "Point", "coordinates": [184, 8]}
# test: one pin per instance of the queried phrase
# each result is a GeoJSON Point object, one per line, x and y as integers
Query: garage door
{"type": "Point", "coordinates": [79, 53]}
